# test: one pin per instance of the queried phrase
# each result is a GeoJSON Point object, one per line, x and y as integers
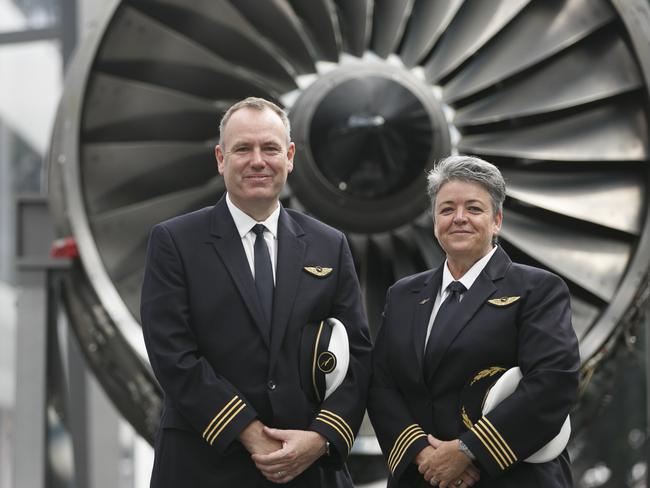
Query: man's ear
{"type": "Point", "coordinates": [218, 154]}
{"type": "Point", "coordinates": [291, 152]}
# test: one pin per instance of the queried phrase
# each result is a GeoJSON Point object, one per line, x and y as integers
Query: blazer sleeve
{"type": "Point", "coordinates": [549, 359]}
{"type": "Point", "coordinates": [208, 402]}
{"type": "Point", "coordinates": [401, 438]}
{"type": "Point", "coordinates": [340, 414]}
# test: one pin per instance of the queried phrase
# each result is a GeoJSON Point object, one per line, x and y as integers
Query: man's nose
{"type": "Point", "coordinates": [257, 157]}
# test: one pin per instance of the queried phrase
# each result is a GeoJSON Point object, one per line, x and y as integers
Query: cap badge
{"type": "Point", "coordinates": [326, 362]}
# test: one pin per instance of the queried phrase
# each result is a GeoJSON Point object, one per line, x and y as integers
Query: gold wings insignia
{"type": "Point", "coordinates": [503, 301]}
{"type": "Point", "coordinates": [319, 271]}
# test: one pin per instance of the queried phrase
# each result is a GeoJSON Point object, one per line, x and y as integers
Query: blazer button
{"type": "Point", "coordinates": [271, 385]}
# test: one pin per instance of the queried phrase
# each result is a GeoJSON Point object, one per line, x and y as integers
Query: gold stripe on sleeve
{"type": "Point", "coordinates": [407, 443]}
{"type": "Point", "coordinates": [336, 428]}
{"type": "Point", "coordinates": [341, 426]}
{"type": "Point", "coordinates": [503, 442]}
{"type": "Point", "coordinates": [227, 421]}
{"type": "Point", "coordinates": [400, 440]}
{"type": "Point", "coordinates": [216, 417]}
{"type": "Point", "coordinates": [488, 432]}
{"type": "Point", "coordinates": [211, 436]}
{"type": "Point", "coordinates": [340, 421]}
{"type": "Point", "coordinates": [489, 446]}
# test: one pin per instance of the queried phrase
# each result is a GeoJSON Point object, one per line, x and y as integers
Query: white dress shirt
{"type": "Point", "coordinates": [467, 280]}
{"type": "Point", "coordinates": [245, 224]}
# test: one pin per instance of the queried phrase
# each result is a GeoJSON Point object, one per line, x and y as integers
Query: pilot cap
{"type": "Point", "coordinates": [324, 358]}
{"type": "Point", "coordinates": [490, 387]}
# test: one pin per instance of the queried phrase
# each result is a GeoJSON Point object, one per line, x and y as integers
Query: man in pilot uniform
{"type": "Point", "coordinates": [227, 292]}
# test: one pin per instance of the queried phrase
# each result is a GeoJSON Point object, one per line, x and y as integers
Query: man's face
{"type": "Point", "coordinates": [464, 222]}
{"type": "Point", "coordinates": [255, 159]}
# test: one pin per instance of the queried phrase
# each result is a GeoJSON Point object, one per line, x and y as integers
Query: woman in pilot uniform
{"type": "Point", "coordinates": [475, 315]}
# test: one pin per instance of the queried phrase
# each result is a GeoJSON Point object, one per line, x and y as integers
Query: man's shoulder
{"type": "Point", "coordinates": [312, 225]}
{"type": "Point", "coordinates": [197, 218]}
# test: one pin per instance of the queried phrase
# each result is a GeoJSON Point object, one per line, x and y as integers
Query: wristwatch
{"type": "Point", "coordinates": [462, 447]}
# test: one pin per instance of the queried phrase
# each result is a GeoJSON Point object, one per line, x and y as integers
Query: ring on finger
{"type": "Point", "coordinates": [280, 474]}
{"type": "Point", "coordinates": [458, 482]}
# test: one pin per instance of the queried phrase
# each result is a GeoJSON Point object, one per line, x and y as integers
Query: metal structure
{"type": "Point", "coordinates": [553, 91]}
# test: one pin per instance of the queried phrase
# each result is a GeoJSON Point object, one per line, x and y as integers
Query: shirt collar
{"type": "Point", "coordinates": [245, 222]}
{"type": "Point", "coordinates": [470, 276]}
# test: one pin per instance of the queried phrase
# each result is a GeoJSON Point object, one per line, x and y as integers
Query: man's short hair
{"type": "Point", "coordinates": [470, 169]}
{"type": "Point", "coordinates": [259, 104]}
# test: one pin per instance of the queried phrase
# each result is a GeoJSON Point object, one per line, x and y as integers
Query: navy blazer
{"type": "Point", "coordinates": [203, 328]}
{"type": "Point", "coordinates": [530, 328]}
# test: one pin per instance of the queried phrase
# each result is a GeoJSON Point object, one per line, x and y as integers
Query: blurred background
{"type": "Point", "coordinates": [109, 112]}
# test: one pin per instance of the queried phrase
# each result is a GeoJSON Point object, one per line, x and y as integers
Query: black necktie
{"type": "Point", "coordinates": [446, 313]}
{"type": "Point", "coordinates": [263, 273]}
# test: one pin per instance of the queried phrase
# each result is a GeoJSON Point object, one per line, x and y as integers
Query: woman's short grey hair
{"type": "Point", "coordinates": [470, 169]}
{"type": "Point", "coordinates": [259, 104]}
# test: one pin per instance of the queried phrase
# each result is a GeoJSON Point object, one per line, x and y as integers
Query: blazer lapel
{"type": "Point", "coordinates": [424, 299]}
{"type": "Point", "coordinates": [475, 297]}
{"type": "Point", "coordinates": [291, 253]}
{"type": "Point", "coordinates": [227, 243]}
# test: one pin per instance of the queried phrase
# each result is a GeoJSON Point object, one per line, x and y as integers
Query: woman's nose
{"type": "Point", "coordinates": [459, 215]}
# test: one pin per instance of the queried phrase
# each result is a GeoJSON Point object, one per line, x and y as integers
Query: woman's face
{"type": "Point", "coordinates": [464, 221]}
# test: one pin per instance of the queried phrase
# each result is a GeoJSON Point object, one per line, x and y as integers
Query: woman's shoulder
{"type": "Point", "coordinates": [534, 275]}
{"type": "Point", "coordinates": [413, 282]}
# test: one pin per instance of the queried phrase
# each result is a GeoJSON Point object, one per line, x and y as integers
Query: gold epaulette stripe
{"type": "Point", "coordinates": [344, 425]}
{"type": "Point", "coordinates": [228, 420]}
{"type": "Point", "coordinates": [336, 428]}
{"type": "Point", "coordinates": [398, 441]}
{"type": "Point", "coordinates": [501, 439]}
{"type": "Point", "coordinates": [407, 441]}
{"type": "Point", "coordinates": [489, 446]}
{"type": "Point", "coordinates": [223, 420]}
{"type": "Point", "coordinates": [216, 417]}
